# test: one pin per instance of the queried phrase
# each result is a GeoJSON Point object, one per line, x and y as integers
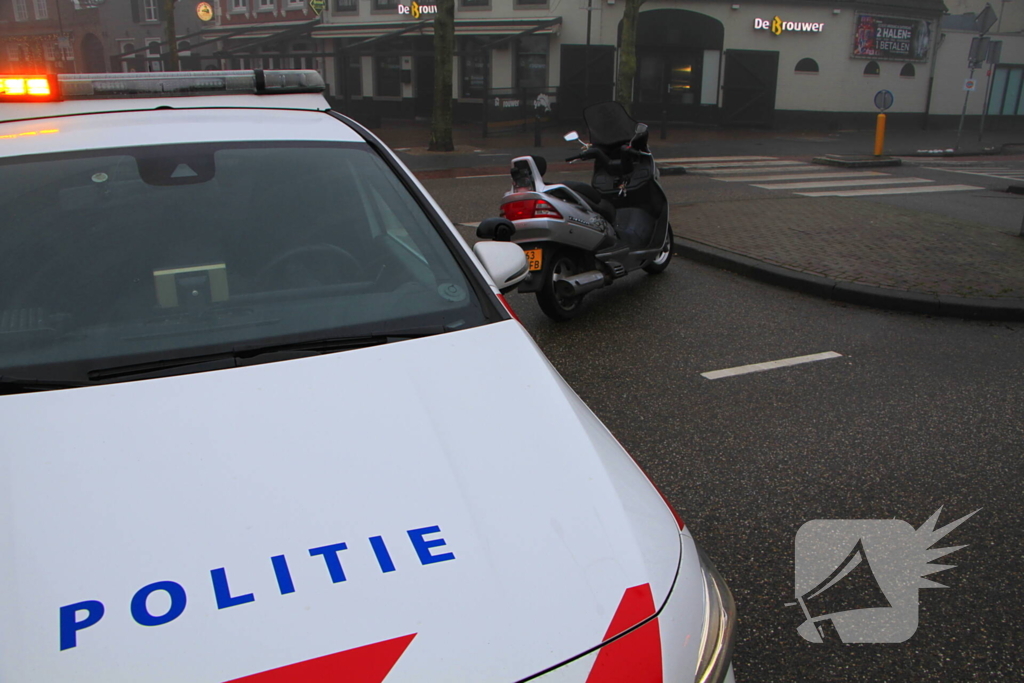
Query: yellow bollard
{"type": "Point", "coordinates": [879, 134]}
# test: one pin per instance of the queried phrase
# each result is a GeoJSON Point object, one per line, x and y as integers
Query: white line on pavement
{"type": "Point", "coordinates": [844, 183]}
{"type": "Point", "coordinates": [891, 190]}
{"type": "Point", "coordinates": [770, 365]}
{"type": "Point", "coordinates": [801, 176]}
{"type": "Point", "coordinates": [793, 167]}
{"type": "Point", "coordinates": [744, 164]}
{"type": "Point", "coordinates": [680, 160]}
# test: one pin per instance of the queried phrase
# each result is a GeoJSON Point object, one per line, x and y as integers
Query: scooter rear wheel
{"type": "Point", "coordinates": [556, 305]}
{"type": "Point", "coordinates": [659, 264]}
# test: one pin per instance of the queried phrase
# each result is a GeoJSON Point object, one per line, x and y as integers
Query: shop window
{"type": "Point", "coordinates": [473, 68]}
{"type": "Point", "coordinates": [807, 66]}
{"type": "Point", "coordinates": [154, 48]}
{"type": "Point", "coordinates": [872, 69]}
{"type": "Point", "coordinates": [21, 10]}
{"type": "Point", "coordinates": [184, 48]}
{"type": "Point", "coordinates": [908, 71]}
{"type": "Point", "coordinates": [50, 52]}
{"type": "Point", "coordinates": [389, 76]}
{"type": "Point", "coordinates": [346, 5]}
{"type": "Point", "coordinates": [532, 62]}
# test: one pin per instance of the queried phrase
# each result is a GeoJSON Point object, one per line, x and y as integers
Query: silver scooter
{"type": "Point", "coordinates": [579, 237]}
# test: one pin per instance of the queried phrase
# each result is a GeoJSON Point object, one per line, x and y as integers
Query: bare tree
{"type": "Point", "coordinates": [444, 48]}
{"type": "Point", "coordinates": [171, 34]}
{"type": "Point", "coordinates": [627, 55]}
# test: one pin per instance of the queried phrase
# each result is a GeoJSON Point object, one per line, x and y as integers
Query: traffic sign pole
{"type": "Point", "coordinates": [963, 114]}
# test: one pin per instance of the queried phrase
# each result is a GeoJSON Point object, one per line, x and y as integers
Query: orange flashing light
{"type": "Point", "coordinates": [27, 88]}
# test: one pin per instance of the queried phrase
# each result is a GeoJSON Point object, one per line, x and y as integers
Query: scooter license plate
{"type": "Point", "coordinates": [535, 257]}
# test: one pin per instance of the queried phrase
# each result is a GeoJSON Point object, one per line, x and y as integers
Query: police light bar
{"type": "Point", "coordinates": [162, 84]}
{"type": "Point", "coordinates": [28, 88]}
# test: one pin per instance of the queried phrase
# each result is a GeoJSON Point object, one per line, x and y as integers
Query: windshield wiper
{"type": "Point", "coordinates": [242, 355]}
{"type": "Point", "coordinates": [24, 385]}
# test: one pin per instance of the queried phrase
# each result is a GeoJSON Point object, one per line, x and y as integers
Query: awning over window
{"type": "Point", "coordinates": [463, 27]}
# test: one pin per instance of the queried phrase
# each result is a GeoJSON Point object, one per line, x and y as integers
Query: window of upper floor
{"type": "Point", "coordinates": [346, 6]}
{"type": "Point", "coordinates": [42, 11]}
{"type": "Point", "coordinates": [21, 10]}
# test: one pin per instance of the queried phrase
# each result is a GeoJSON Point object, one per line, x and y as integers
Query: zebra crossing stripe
{"type": "Point", "coordinates": [697, 160]}
{"type": "Point", "coordinates": [745, 164]}
{"type": "Point", "coordinates": [844, 183]}
{"type": "Point", "coordinates": [891, 190]}
{"type": "Point", "coordinates": [789, 168]}
{"type": "Point", "coordinates": [797, 175]}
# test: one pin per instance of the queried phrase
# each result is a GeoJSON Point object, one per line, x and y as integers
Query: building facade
{"type": "Point", "coordinates": [50, 36]}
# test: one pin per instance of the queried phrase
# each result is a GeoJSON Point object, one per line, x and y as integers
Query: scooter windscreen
{"type": "Point", "coordinates": [609, 124]}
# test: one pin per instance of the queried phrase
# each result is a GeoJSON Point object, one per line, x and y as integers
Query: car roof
{"type": "Point", "coordinates": [102, 124]}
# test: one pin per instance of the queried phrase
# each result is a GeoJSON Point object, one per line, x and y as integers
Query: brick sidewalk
{"type": "Point", "coordinates": [853, 241]}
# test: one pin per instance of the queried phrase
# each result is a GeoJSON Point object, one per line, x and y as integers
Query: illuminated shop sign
{"type": "Point", "coordinates": [891, 38]}
{"type": "Point", "coordinates": [416, 9]}
{"type": "Point", "coordinates": [777, 26]}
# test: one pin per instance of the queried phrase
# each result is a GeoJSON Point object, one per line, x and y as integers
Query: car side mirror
{"type": "Point", "coordinates": [505, 262]}
{"type": "Point", "coordinates": [571, 136]}
{"type": "Point", "coordinates": [497, 229]}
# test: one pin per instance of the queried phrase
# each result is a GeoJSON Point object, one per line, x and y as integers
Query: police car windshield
{"type": "Point", "coordinates": [114, 257]}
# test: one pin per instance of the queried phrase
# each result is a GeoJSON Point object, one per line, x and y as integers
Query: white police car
{"type": "Point", "coordinates": [252, 403]}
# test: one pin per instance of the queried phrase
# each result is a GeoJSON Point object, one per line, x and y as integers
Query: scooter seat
{"type": "Point", "coordinates": [593, 199]}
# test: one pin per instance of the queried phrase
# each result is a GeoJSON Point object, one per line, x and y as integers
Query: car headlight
{"type": "Point", "coordinates": [719, 625]}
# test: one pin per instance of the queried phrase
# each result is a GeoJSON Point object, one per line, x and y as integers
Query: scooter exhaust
{"type": "Point", "coordinates": [580, 284]}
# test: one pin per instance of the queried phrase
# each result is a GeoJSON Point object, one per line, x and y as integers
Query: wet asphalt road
{"type": "Point", "coordinates": [919, 413]}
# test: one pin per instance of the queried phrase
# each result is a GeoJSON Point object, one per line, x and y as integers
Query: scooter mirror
{"type": "Point", "coordinates": [571, 136]}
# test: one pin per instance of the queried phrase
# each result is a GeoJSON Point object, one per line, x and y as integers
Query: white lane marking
{"type": "Point", "coordinates": [1002, 174]}
{"type": "Point", "coordinates": [745, 164]}
{"type": "Point", "coordinates": [680, 160]}
{"type": "Point", "coordinates": [801, 176]}
{"type": "Point", "coordinates": [844, 183]}
{"type": "Point", "coordinates": [770, 365]}
{"type": "Point", "coordinates": [496, 175]}
{"type": "Point", "coordinates": [892, 190]}
{"type": "Point", "coordinates": [795, 167]}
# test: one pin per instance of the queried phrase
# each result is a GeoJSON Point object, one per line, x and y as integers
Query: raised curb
{"type": "Point", "coordinates": [856, 161]}
{"type": "Point", "coordinates": [672, 169]}
{"type": "Point", "coordinates": [851, 292]}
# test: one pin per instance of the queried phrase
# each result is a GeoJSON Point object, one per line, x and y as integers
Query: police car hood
{"type": "Point", "coordinates": [442, 509]}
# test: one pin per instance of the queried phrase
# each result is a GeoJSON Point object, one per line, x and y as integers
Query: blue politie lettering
{"type": "Point", "coordinates": [284, 576]}
{"type": "Point", "coordinates": [330, 555]}
{"type": "Point", "coordinates": [70, 625]}
{"type": "Point", "coordinates": [383, 556]}
{"type": "Point", "coordinates": [222, 591]}
{"type": "Point", "coordinates": [81, 615]}
{"type": "Point", "coordinates": [141, 613]}
{"type": "Point", "coordinates": [423, 546]}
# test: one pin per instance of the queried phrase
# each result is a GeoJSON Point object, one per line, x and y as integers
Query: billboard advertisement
{"type": "Point", "coordinates": [894, 38]}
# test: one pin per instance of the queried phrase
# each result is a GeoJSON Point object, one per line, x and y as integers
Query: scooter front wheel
{"type": "Point", "coordinates": [660, 263]}
{"type": "Point", "coordinates": [555, 304]}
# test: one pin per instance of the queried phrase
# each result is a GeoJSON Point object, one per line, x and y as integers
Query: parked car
{"type": "Point", "coordinates": [254, 394]}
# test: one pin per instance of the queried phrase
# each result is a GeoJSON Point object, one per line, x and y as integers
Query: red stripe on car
{"type": "Point", "coordinates": [366, 664]}
{"type": "Point", "coordinates": [635, 657]}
